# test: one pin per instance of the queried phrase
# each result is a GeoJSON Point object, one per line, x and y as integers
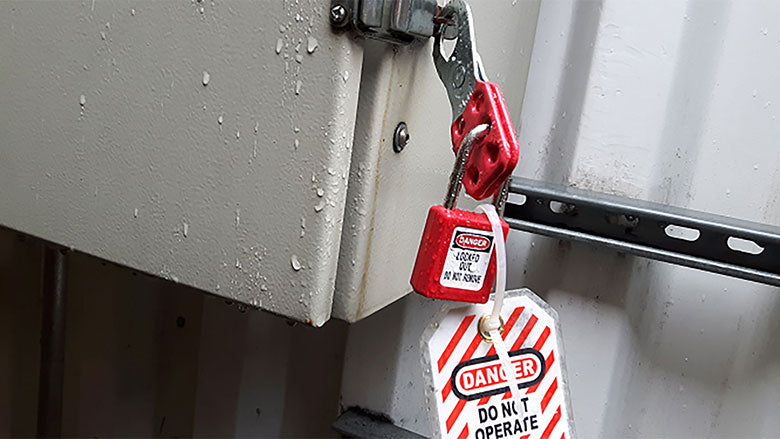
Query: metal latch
{"type": "Point", "coordinates": [393, 21]}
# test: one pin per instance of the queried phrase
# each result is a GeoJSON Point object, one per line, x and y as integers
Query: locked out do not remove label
{"type": "Point", "coordinates": [468, 390]}
{"type": "Point", "coordinates": [468, 258]}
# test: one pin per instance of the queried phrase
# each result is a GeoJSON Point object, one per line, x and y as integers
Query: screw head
{"type": "Point", "coordinates": [338, 15]}
{"type": "Point", "coordinates": [400, 137]}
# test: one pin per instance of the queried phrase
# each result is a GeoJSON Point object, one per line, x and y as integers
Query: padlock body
{"type": "Point", "coordinates": [455, 260]}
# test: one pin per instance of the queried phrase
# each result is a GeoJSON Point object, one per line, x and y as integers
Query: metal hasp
{"type": "Point", "coordinates": [459, 71]}
{"type": "Point", "coordinates": [710, 242]}
{"type": "Point", "coordinates": [393, 21]}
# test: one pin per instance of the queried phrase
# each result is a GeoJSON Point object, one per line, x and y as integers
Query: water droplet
{"type": "Point", "coordinates": [755, 167]}
{"type": "Point", "coordinates": [263, 287]}
{"type": "Point", "coordinates": [279, 44]}
{"type": "Point", "coordinates": [755, 93]}
{"type": "Point", "coordinates": [299, 59]}
{"type": "Point", "coordinates": [103, 36]}
{"type": "Point", "coordinates": [320, 192]}
{"type": "Point", "coordinates": [319, 206]}
{"type": "Point", "coordinates": [295, 263]}
{"type": "Point", "coordinates": [206, 78]}
{"type": "Point", "coordinates": [298, 85]}
{"type": "Point", "coordinates": [135, 213]}
{"type": "Point", "coordinates": [281, 28]}
{"type": "Point", "coordinates": [764, 31]}
{"type": "Point", "coordinates": [108, 25]}
{"type": "Point", "coordinates": [201, 10]}
{"type": "Point", "coordinates": [296, 130]}
{"type": "Point", "coordinates": [238, 134]}
{"type": "Point", "coordinates": [296, 144]}
{"type": "Point", "coordinates": [220, 119]}
{"type": "Point", "coordinates": [238, 217]}
{"type": "Point", "coordinates": [686, 359]}
{"type": "Point", "coordinates": [257, 127]}
{"type": "Point", "coordinates": [82, 100]}
{"type": "Point", "coordinates": [185, 228]}
{"type": "Point", "coordinates": [311, 45]}
{"type": "Point", "coordinates": [132, 12]}
{"type": "Point", "coordinates": [345, 76]}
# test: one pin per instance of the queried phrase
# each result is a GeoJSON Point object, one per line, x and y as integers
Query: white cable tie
{"type": "Point", "coordinates": [500, 247]}
{"type": "Point", "coordinates": [493, 323]}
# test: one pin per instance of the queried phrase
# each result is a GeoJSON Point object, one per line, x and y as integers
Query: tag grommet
{"type": "Point", "coordinates": [484, 333]}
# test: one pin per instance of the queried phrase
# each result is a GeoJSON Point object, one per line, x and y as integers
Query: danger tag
{"type": "Point", "coordinates": [468, 388]}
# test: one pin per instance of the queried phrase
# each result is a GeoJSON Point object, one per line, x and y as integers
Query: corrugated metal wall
{"type": "Point", "coordinates": [674, 102]}
{"type": "Point", "coordinates": [146, 357]}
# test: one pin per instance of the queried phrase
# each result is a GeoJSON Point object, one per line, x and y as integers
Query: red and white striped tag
{"type": "Point", "coordinates": [467, 384]}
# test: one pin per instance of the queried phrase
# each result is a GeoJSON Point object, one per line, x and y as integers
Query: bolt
{"type": "Point", "coordinates": [338, 15]}
{"type": "Point", "coordinates": [401, 137]}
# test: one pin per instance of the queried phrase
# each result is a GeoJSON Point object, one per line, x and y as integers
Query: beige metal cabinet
{"type": "Point", "coordinates": [233, 147]}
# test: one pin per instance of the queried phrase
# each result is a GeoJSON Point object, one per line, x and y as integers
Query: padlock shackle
{"type": "Point", "coordinates": [456, 177]}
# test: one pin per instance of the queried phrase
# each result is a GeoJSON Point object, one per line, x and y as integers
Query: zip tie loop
{"type": "Point", "coordinates": [493, 322]}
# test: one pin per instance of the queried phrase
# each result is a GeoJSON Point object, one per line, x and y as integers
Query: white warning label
{"type": "Point", "coordinates": [468, 257]}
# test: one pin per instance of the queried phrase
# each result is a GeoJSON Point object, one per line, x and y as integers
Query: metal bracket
{"type": "Point", "coordinates": [362, 424]}
{"type": "Point", "coordinates": [680, 236]}
{"type": "Point", "coordinates": [393, 21]}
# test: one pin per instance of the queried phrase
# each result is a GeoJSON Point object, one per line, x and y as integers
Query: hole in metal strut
{"type": "Point", "coordinates": [518, 199]}
{"type": "Point", "coordinates": [563, 208]}
{"type": "Point", "coordinates": [744, 245]}
{"type": "Point", "coordinates": [683, 233]}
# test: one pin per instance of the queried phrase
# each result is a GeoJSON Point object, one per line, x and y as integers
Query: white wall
{"type": "Point", "coordinates": [673, 102]}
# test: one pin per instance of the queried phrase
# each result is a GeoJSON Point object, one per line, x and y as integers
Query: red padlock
{"type": "Point", "coordinates": [455, 260]}
{"type": "Point", "coordinates": [495, 155]}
